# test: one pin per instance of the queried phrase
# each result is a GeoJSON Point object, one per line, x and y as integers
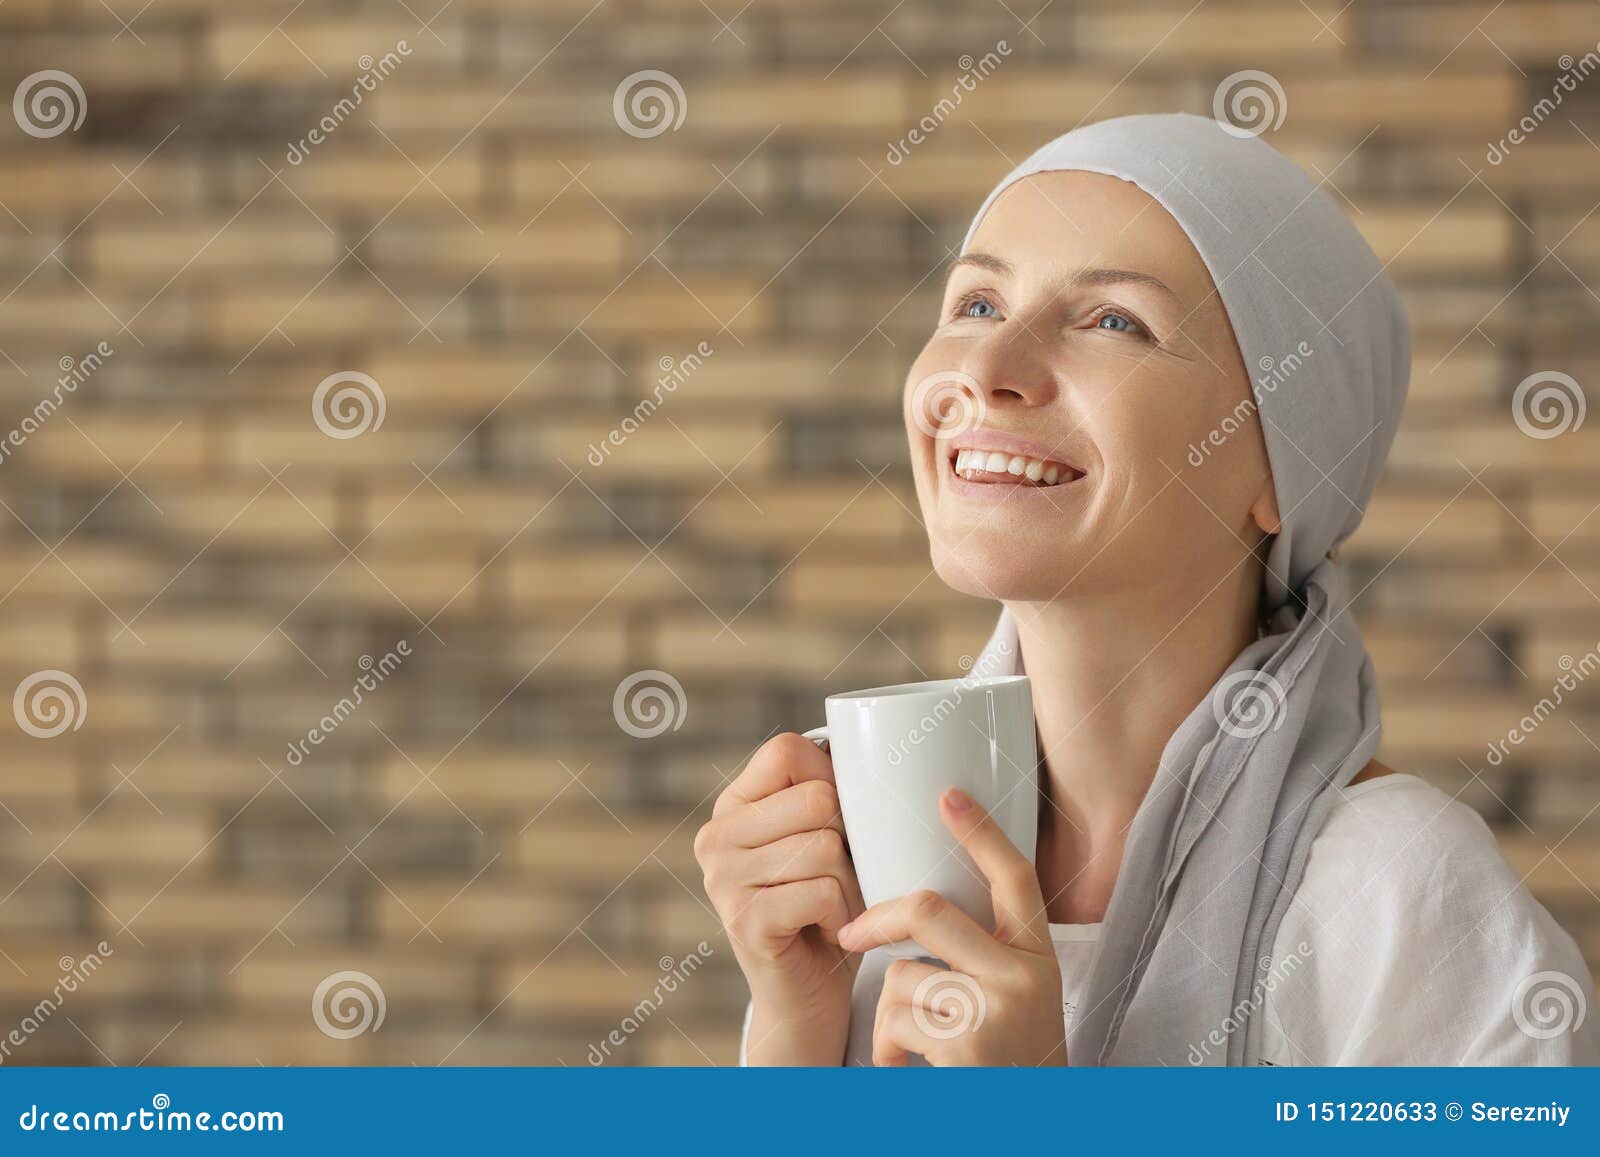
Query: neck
{"type": "Point", "coordinates": [1113, 676]}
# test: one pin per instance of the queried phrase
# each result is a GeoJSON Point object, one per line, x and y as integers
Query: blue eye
{"type": "Point", "coordinates": [1119, 323]}
{"type": "Point", "coordinates": [977, 307]}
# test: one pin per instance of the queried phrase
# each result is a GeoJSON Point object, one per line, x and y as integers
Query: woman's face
{"type": "Point", "coordinates": [1081, 342]}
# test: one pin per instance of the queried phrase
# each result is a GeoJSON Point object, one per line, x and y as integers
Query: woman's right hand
{"type": "Point", "coordinates": [778, 874]}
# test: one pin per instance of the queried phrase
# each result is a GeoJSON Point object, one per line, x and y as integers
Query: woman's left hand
{"type": "Point", "coordinates": [1002, 1005]}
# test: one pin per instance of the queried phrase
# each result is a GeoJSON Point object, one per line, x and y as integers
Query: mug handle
{"type": "Point", "coordinates": [818, 735]}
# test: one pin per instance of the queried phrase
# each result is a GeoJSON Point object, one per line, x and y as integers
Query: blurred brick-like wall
{"type": "Point", "coordinates": [484, 240]}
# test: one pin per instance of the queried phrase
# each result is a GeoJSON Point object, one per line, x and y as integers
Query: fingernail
{"type": "Point", "coordinates": [844, 930]}
{"type": "Point", "coordinates": [957, 800]}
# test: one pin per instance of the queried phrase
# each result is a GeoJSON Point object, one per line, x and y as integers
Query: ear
{"type": "Point", "coordinates": [1264, 510]}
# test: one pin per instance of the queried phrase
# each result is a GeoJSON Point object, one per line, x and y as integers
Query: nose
{"type": "Point", "coordinates": [1011, 368]}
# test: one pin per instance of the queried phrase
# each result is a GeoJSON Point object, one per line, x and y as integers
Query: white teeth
{"type": "Point", "coordinates": [1037, 470]}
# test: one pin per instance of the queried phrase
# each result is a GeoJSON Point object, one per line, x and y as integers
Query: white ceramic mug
{"type": "Point", "coordinates": [896, 750]}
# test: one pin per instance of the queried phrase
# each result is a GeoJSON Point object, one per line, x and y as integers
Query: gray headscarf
{"type": "Point", "coordinates": [1218, 846]}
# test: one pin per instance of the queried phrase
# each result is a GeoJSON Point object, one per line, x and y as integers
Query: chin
{"type": "Point", "coordinates": [996, 566]}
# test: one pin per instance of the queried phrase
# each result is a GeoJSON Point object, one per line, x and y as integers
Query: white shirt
{"type": "Point", "coordinates": [1410, 941]}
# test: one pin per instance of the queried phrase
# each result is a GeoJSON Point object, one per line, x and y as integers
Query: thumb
{"type": "Point", "coordinates": [1013, 880]}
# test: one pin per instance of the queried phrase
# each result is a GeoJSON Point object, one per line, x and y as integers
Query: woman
{"type": "Point", "coordinates": [1224, 874]}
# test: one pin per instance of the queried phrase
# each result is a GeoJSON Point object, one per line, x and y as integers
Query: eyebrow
{"type": "Point", "coordinates": [1083, 278]}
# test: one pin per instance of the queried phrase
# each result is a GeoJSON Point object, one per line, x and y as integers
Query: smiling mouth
{"type": "Point", "coordinates": [997, 467]}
